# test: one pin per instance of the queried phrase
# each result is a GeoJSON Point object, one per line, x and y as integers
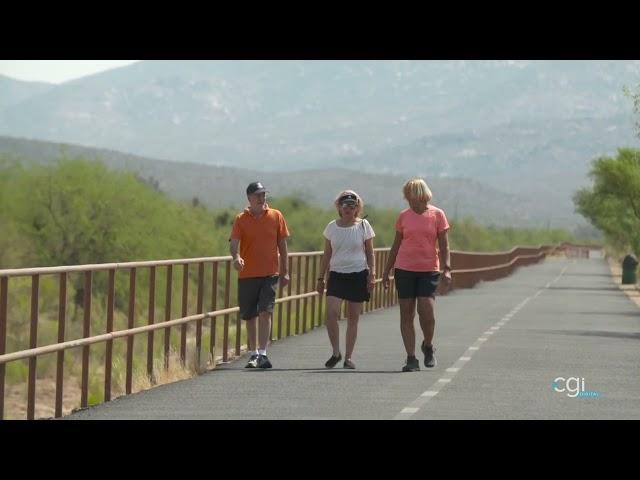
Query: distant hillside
{"type": "Point", "coordinates": [13, 91]}
{"type": "Point", "coordinates": [224, 186]}
{"type": "Point", "coordinates": [274, 114]}
{"type": "Point", "coordinates": [527, 128]}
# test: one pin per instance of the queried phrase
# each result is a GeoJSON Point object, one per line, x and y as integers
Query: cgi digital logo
{"type": "Point", "coordinates": [574, 386]}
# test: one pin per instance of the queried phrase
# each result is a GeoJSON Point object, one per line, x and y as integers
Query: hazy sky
{"type": "Point", "coordinates": [56, 71]}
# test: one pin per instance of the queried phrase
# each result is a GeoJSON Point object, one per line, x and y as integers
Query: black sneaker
{"type": "Point", "coordinates": [263, 362]}
{"type": "Point", "coordinates": [429, 356]}
{"type": "Point", "coordinates": [413, 365]}
{"type": "Point", "coordinates": [253, 362]}
{"type": "Point", "coordinates": [333, 361]}
{"type": "Point", "coordinates": [349, 364]}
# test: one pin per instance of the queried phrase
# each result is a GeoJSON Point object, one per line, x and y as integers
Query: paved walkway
{"type": "Point", "coordinates": [500, 348]}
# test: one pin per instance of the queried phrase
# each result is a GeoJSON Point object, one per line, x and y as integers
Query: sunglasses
{"type": "Point", "coordinates": [348, 205]}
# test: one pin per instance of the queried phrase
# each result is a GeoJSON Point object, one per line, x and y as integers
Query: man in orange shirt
{"type": "Point", "coordinates": [261, 232]}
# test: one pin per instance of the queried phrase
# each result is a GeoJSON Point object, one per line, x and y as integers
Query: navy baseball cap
{"type": "Point", "coordinates": [255, 187]}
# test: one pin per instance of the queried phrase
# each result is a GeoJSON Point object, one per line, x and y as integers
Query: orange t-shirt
{"type": "Point", "coordinates": [259, 237]}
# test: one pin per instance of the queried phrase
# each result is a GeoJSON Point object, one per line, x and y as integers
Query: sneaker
{"type": "Point", "coordinates": [333, 361]}
{"type": "Point", "coordinates": [253, 362]}
{"type": "Point", "coordinates": [429, 357]}
{"type": "Point", "coordinates": [263, 362]}
{"type": "Point", "coordinates": [412, 365]}
{"type": "Point", "coordinates": [349, 364]}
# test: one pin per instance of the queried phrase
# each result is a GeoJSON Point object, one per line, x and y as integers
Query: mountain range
{"type": "Point", "coordinates": [523, 130]}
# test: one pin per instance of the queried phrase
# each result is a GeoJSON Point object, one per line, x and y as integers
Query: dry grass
{"type": "Point", "coordinates": [16, 399]}
{"type": "Point", "coordinates": [176, 371]}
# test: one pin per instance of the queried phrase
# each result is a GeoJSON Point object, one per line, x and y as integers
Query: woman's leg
{"type": "Point", "coordinates": [333, 313]}
{"type": "Point", "coordinates": [352, 326]}
{"type": "Point", "coordinates": [407, 314]}
{"type": "Point", "coordinates": [427, 318]}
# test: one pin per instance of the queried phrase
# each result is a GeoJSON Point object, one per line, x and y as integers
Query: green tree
{"type": "Point", "coordinates": [612, 204]}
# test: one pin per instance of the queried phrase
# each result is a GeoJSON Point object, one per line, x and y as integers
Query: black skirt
{"type": "Point", "coordinates": [349, 286]}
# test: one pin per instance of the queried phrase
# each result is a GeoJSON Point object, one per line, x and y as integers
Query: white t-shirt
{"type": "Point", "coordinates": [347, 246]}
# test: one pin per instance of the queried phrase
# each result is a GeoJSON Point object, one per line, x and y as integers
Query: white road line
{"type": "Point", "coordinates": [427, 395]}
{"type": "Point", "coordinates": [409, 410]}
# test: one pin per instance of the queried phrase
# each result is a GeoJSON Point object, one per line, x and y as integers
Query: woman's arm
{"type": "Point", "coordinates": [371, 262]}
{"type": "Point", "coordinates": [392, 259]}
{"type": "Point", "coordinates": [324, 266]}
{"type": "Point", "coordinates": [445, 256]}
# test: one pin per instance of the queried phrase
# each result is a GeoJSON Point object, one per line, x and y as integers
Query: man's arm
{"type": "Point", "coordinates": [238, 261]}
{"type": "Point", "coordinates": [284, 262]}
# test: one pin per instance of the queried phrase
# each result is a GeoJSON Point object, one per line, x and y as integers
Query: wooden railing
{"type": "Point", "coordinates": [111, 315]}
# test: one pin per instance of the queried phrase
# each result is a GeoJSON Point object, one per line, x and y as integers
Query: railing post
{"type": "Point", "coordinates": [108, 360]}
{"type": "Point", "coordinates": [199, 309]}
{"type": "Point", "coordinates": [280, 306]}
{"type": "Point", "coordinates": [86, 332]}
{"type": "Point", "coordinates": [62, 309]}
{"type": "Point", "coordinates": [152, 315]}
{"type": "Point", "coordinates": [289, 294]}
{"type": "Point", "coordinates": [306, 289]}
{"type": "Point", "coordinates": [227, 291]}
{"type": "Point", "coordinates": [214, 306]}
{"type": "Point", "coordinates": [33, 343]}
{"type": "Point", "coordinates": [131, 324]}
{"type": "Point", "coordinates": [4, 288]}
{"type": "Point", "coordinates": [313, 299]}
{"type": "Point", "coordinates": [321, 298]}
{"type": "Point", "coordinates": [298, 280]}
{"type": "Point", "coordinates": [167, 316]}
{"type": "Point", "coordinates": [183, 327]}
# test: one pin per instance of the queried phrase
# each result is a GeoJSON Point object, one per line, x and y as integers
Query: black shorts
{"type": "Point", "coordinates": [256, 294]}
{"type": "Point", "coordinates": [416, 284]}
{"type": "Point", "coordinates": [349, 286]}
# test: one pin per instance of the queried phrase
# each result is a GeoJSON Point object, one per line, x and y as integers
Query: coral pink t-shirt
{"type": "Point", "coordinates": [417, 251]}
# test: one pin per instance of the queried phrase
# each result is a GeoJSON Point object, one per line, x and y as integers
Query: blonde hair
{"type": "Point", "coordinates": [359, 207]}
{"type": "Point", "coordinates": [417, 189]}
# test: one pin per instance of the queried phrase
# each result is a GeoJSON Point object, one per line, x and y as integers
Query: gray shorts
{"type": "Point", "coordinates": [256, 294]}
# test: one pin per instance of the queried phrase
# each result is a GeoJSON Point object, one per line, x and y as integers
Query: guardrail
{"type": "Point", "coordinates": [296, 312]}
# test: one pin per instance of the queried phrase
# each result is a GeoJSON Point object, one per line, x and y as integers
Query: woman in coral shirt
{"type": "Point", "coordinates": [414, 256]}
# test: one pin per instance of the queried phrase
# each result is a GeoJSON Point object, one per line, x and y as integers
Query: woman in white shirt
{"type": "Point", "coordinates": [348, 255]}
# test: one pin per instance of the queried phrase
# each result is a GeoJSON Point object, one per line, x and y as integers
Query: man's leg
{"type": "Point", "coordinates": [266, 303]}
{"type": "Point", "coordinates": [264, 329]}
{"type": "Point", "coordinates": [251, 334]}
{"type": "Point", "coordinates": [247, 301]}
